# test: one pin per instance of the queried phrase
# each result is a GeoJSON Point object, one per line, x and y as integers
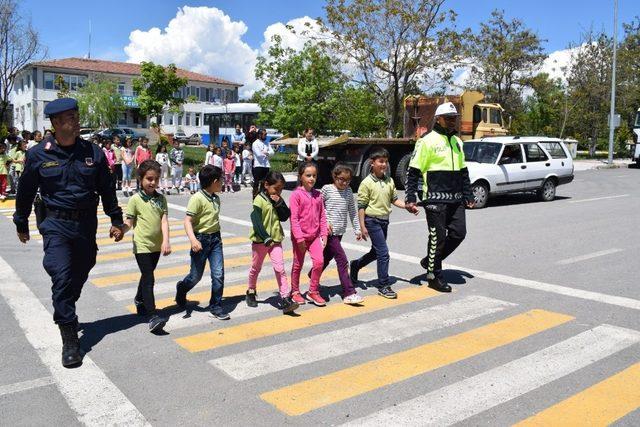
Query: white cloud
{"type": "Point", "coordinates": [304, 29]}
{"type": "Point", "coordinates": [201, 39]}
{"type": "Point", "coordinates": [557, 62]}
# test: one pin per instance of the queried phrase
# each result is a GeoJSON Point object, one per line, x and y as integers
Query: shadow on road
{"type": "Point", "coordinates": [518, 199]}
{"type": "Point", "coordinates": [94, 332]}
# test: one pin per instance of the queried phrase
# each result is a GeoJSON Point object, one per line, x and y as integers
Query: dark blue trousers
{"type": "Point", "coordinates": [69, 255]}
{"type": "Point", "coordinates": [379, 252]}
{"type": "Point", "coordinates": [212, 252]}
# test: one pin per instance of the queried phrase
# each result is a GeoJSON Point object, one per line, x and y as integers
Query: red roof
{"type": "Point", "coordinates": [112, 67]}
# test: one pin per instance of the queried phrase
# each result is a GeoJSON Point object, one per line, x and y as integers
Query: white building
{"type": "Point", "coordinates": [35, 86]}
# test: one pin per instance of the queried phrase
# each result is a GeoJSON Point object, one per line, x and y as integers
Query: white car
{"type": "Point", "coordinates": [513, 164]}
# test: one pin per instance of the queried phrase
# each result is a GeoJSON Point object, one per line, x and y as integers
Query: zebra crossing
{"type": "Point", "coordinates": [356, 348]}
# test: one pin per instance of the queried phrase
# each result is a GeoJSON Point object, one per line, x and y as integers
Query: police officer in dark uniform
{"type": "Point", "coordinates": [72, 174]}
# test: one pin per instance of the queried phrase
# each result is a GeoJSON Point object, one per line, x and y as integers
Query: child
{"type": "Point", "coordinates": [207, 157]}
{"type": "Point", "coordinates": [339, 205]}
{"type": "Point", "coordinates": [162, 157]}
{"type": "Point", "coordinates": [229, 170]}
{"type": "Point", "coordinates": [269, 209]}
{"type": "Point", "coordinates": [375, 195]}
{"type": "Point", "coordinates": [147, 215]}
{"type": "Point", "coordinates": [17, 162]}
{"type": "Point", "coordinates": [238, 160]}
{"type": "Point", "coordinates": [5, 160]}
{"type": "Point", "coordinates": [202, 224]}
{"type": "Point", "coordinates": [224, 148]}
{"type": "Point", "coordinates": [127, 167]}
{"type": "Point", "coordinates": [176, 158]}
{"type": "Point", "coordinates": [308, 233]}
{"type": "Point", "coordinates": [247, 163]}
{"type": "Point", "coordinates": [142, 153]}
{"type": "Point", "coordinates": [216, 159]}
{"type": "Point", "coordinates": [192, 180]}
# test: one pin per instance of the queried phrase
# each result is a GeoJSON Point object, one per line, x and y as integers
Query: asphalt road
{"type": "Point", "coordinates": [543, 327]}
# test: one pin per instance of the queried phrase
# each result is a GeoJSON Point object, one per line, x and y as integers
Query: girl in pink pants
{"type": "Point", "coordinates": [308, 233]}
{"type": "Point", "coordinates": [269, 209]}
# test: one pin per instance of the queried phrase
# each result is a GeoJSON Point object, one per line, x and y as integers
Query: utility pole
{"type": "Point", "coordinates": [89, 52]}
{"type": "Point", "coordinates": [613, 80]}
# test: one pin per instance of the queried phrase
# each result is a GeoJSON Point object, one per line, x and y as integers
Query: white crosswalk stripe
{"type": "Point", "coordinates": [287, 355]}
{"type": "Point", "coordinates": [513, 379]}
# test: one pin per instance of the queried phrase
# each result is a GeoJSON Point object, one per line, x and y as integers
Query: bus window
{"type": "Point", "coordinates": [484, 115]}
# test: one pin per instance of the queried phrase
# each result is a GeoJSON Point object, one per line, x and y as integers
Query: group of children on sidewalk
{"type": "Point", "coordinates": [318, 222]}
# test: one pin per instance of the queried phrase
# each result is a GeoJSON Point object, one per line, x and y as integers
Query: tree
{"type": "Point", "coordinates": [543, 110]}
{"type": "Point", "coordinates": [308, 89]}
{"type": "Point", "coordinates": [505, 56]}
{"type": "Point", "coordinates": [156, 88]}
{"type": "Point", "coordinates": [393, 44]}
{"type": "Point", "coordinates": [628, 87]}
{"type": "Point", "coordinates": [99, 103]}
{"type": "Point", "coordinates": [19, 45]}
{"type": "Point", "coordinates": [63, 92]}
{"type": "Point", "coordinates": [588, 86]}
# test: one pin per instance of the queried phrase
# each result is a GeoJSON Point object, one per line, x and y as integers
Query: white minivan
{"type": "Point", "coordinates": [514, 164]}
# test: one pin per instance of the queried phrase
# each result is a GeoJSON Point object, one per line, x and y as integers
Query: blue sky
{"type": "Point", "coordinates": [560, 22]}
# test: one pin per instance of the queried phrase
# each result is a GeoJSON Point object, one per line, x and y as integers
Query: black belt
{"type": "Point", "coordinates": [69, 215]}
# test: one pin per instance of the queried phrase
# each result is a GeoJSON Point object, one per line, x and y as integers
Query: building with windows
{"type": "Point", "coordinates": [39, 82]}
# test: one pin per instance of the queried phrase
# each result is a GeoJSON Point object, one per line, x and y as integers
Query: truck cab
{"type": "Point", "coordinates": [488, 120]}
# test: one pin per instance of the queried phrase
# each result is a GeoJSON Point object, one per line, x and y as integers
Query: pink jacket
{"type": "Point", "coordinates": [111, 157]}
{"type": "Point", "coordinates": [229, 165]}
{"type": "Point", "coordinates": [308, 219]}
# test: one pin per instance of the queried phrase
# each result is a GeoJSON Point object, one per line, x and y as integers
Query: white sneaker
{"type": "Point", "coordinates": [3, 197]}
{"type": "Point", "coordinates": [353, 299]}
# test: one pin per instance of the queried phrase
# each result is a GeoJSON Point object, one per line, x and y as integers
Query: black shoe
{"type": "Point", "coordinates": [439, 285]}
{"type": "Point", "coordinates": [353, 272]}
{"type": "Point", "coordinates": [156, 323]}
{"type": "Point", "coordinates": [424, 263]}
{"type": "Point", "coordinates": [251, 298]}
{"type": "Point", "coordinates": [71, 356]}
{"type": "Point", "coordinates": [140, 308]}
{"type": "Point", "coordinates": [219, 314]}
{"type": "Point", "coordinates": [181, 295]}
{"type": "Point", "coordinates": [387, 292]}
{"type": "Point", "coordinates": [288, 305]}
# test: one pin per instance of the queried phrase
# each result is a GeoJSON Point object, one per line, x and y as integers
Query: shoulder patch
{"type": "Point", "coordinates": [50, 164]}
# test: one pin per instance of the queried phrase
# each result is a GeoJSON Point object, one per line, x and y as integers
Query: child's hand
{"type": "Point", "coordinates": [275, 198]}
{"type": "Point", "coordinates": [330, 228]}
{"type": "Point", "coordinates": [302, 246]}
{"type": "Point", "coordinates": [196, 246]}
{"type": "Point", "coordinates": [364, 233]}
{"type": "Point", "coordinates": [358, 236]}
{"type": "Point", "coordinates": [166, 249]}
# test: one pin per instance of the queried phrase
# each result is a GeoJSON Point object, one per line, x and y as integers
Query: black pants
{"type": "Point", "coordinates": [147, 263]}
{"type": "Point", "coordinates": [259, 174]}
{"type": "Point", "coordinates": [447, 229]}
{"type": "Point", "coordinates": [117, 170]}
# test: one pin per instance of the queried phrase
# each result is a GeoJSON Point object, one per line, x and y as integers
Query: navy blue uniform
{"type": "Point", "coordinates": [71, 180]}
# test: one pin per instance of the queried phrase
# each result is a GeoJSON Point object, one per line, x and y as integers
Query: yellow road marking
{"type": "Point", "coordinates": [8, 204]}
{"type": "Point", "coordinates": [106, 241]}
{"type": "Point", "coordinates": [277, 325]}
{"type": "Point", "coordinates": [315, 393]}
{"type": "Point", "coordinates": [236, 291]}
{"type": "Point", "coordinates": [599, 405]}
{"type": "Point", "coordinates": [160, 273]}
{"type": "Point", "coordinates": [174, 248]}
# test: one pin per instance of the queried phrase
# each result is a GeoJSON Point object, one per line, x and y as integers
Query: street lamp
{"type": "Point", "coordinates": [613, 81]}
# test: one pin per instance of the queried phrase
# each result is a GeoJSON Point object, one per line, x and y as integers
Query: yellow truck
{"type": "Point", "coordinates": [476, 119]}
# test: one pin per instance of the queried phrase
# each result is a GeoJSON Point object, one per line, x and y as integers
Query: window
{"type": "Point", "coordinates": [179, 119]}
{"type": "Point", "coordinates": [512, 153]}
{"type": "Point", "coordinates": [197, 119]}
{"type": "Point", "coordinates": [122, 120]}
{"type": "Point", "coordinates": [496, 116]}
{"type": "Point", "coordinates": [170, 119]}
{"type": "Point", "coordinates": [484, 115]}
{"type": "Point", "coordinates": [121, 88]}
{"type": "Point", "coordinates": [48, 80]}
{"type": "Point", "coordinates": [554, 149]}
{"type": "Point", "coordinates": [187, 119]}
{"type": "Point", "coordinates": [534, 153]}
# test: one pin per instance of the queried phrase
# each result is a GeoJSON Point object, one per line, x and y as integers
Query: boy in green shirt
{"type": "Point", "coordinates": [202, 225]}
{"type": "Point", "coordinates": [375, 195]}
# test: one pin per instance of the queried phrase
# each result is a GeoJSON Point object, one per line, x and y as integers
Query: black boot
{"type": "Point", "coordinates": [439, 285]}
{"type": "Point", "coordinates": [71, 356]}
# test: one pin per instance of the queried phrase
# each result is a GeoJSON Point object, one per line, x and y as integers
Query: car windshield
{"type": "Point", "coordinates": [481, 152]}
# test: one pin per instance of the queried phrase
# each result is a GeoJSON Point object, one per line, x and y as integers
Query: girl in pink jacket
{"type": "Point", "coordinates": [308, 233]}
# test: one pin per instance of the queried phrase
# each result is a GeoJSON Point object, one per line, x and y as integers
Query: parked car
{"type": "Point", "coordinates": [110, 133]}
{"type": "Point", "coordinates": [132, 133]}
{"type": "Point", "coordinates": [194, 139]}
{"type": "Point", "coordinates": [180, 136]}
{"type": "Point", "coordinates": [512, 164]}
{"type": "Point", "coordinates": [86, 133]}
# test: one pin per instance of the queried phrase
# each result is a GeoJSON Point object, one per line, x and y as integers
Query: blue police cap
{"type": "Point", "coordinates": [60, 105]}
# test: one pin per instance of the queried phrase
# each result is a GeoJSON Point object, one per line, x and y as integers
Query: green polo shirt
{"type": "Point", "coordinates": [147, 212]}
{"type": "Point", "coordinates": [270, 220]}
{"type": "Point", "coordinates": [4, 158]}
{"type": "Point", "coordinates": [18, 155]}
{"type": "Point", "coordinates": [118, 152]}
{"type": "Point", "coordinates": [375, 196]}
{"type": "Point", "coordinates": [204, 210]}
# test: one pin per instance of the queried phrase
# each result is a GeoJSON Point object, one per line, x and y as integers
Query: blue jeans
{"type": "Point", "coordinates": [377, 229]}
{"type": "Point", "coordinates": [212, 251]}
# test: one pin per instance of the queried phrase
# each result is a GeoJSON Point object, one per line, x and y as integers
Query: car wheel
{"type": "Point", "coordinates": [548, 191]}
{"type": "Point", "coordinates": [480, 194]}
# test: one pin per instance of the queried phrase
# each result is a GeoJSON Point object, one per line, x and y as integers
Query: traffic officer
{"type": "Point", "coordinates": [438, 159]}
{"type": "Point", "coordinates": [71, 174]}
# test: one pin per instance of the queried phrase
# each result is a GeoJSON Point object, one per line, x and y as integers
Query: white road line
{"type": "Point", "coordinates": [599, 198]}
{"type": "Point", "coordinates": [278, 357]}
{"type": "Point", "coordinates": [540, 286]}
{"type": "Point", "coordinates": [87, 390]}
{"type": "Point", "coordinates": [588, 256]}
{"type": "Point", "coordinates": [445, 406]}
{"type": "Point", "coordinates": [25, 385]}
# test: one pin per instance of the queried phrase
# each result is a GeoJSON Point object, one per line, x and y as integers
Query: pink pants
{"type": "Point", "coordinates": [3, 185]}
{"type": "Point", "coordinates": [259, 251]}
{"type": "Point", "coordinates": [314, 246]}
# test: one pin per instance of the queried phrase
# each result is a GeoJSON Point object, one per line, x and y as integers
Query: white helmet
{"type": "Point", "coordinates": [446, 109]}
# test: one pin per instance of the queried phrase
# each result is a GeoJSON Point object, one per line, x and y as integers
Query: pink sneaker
{"type": "Point", "coordinates": [316, 299]}
{"type": "Point", "coordinates": [297, 298]}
